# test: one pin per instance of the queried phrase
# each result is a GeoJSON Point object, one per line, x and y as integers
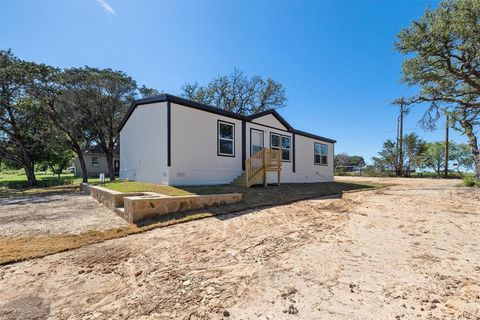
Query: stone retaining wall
{"type": "Point", "coordinates": [140, 205]}
{"type": "Point", "coordinates": [109, 198]}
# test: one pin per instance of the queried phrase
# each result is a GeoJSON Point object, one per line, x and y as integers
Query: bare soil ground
{"type": "Point", "coordinates": [410, 251]}
{"type": "Point", "coordinates": [33, 215]}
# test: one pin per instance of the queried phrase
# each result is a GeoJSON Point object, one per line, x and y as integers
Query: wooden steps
{"type": "Point", "coordinates": [257, 167]}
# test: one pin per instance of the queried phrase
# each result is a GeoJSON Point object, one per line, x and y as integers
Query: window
{"type": "Point", "coordinates": [320, 153]}
{"type": "Point", "coordinates": [285, 148]}
{"type": "Point", "coordinates": [282, 143]}
{"type": "Point", "coordinates": [95, 162]}
{"type": "Point", "coordinates": [275, 141]}
{"type": "Point", "coordinates": [256, 141]}
{"type": "Point", "coordinates": [226, 139]}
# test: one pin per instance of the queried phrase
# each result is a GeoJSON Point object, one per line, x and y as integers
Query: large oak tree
{"type": "Point", "coordinates": [237, 93]}
{"type": "Point", "coordinates": [443, 60]}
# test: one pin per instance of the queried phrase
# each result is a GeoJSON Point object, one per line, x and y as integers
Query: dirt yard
{"type": "Point", "coordinates": [53, 214]}
{"type": "Point", "coordinates": [411, 251]}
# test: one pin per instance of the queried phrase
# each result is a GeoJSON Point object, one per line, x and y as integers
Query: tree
{"type": "Point", "coordinates": [459, 153]}
{"type": "Point", "coordinates": [103, 97]}
{"type": "Point", "coordinates": [413, 149]}
{"type": "Point", "coordinates": [59, 155]}
{"type": "Point", "coordinates": [387, 159]}
{"type": "Point", "coordinates": [462, 155]}
{"type": "Point", "coordinates": [344, 160]}
{"type": "Point", "coordinates": [52, 89]}
{"type": "Point", "coordinates": [443, 49]}
{"type": "Point", "coordinates": [236, 93]}
{"type": "Point", "coordinates": [24, 128]}
{"type": "Point", "coordinates": [146, 92]}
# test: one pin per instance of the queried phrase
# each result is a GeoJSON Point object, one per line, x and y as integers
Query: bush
{"type": "Point", "coordinates": [470, 181]}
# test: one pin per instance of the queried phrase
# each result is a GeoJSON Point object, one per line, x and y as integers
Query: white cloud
{"type": "Point", "coordinates": [108, 8]}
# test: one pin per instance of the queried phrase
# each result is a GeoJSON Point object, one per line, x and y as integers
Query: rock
{"type": "Point", "coordinates": [226, 313]}
{"type": "Point", "coordinates": [292, 309]}
{"type": "Point", "coordinates": [288, 291]}
{"type": "Point", "coordinates": [138, 273]}
{"type": "Point", "coordinates": [186, 283]}
{"type": "Point", "coordinates": [435, 301]}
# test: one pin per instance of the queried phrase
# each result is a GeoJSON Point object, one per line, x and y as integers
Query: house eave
{"type": "Point", "coordinates": [199, 106]}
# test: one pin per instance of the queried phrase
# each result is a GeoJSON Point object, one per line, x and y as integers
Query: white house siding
{"type": "Point", "coordinates": [305, 168]}
{"type": "Point", "coordinates": [143, 145]}
{"type": "Point", "coordinates": [269, 120]}
{"type": "Point", "coordinates": [194, 158]}
{"type": "Point", "coordinates": [287, 166]}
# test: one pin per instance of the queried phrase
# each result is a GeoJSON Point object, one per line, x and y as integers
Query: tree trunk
{"type": "Point", "coordinates": [30, 172]}
{"type": "Point", "coordinates": [81, 159]}
{"type": "Point", "coordinates": [111, 171]}
{"type": "Point", "coordinates": [472, 142]}
{"type": "Point", "coordinates": [76, 148]}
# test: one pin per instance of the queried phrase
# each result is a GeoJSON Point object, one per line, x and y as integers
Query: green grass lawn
{"type": "Point", "coordinates": [15, 183]}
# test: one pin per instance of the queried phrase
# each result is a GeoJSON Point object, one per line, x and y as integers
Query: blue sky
{"type": "Point", "coordinates": [336, 59]}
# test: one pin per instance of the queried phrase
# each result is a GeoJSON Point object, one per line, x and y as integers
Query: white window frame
{"type": "Point", "coordinates": [219, 138]}
{"type": "Point", "coordinates": [96, 163]}
{"type": "Point", "coordinates": [280, 147]}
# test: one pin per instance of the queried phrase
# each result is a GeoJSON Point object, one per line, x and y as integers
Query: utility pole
{"type": "Point", "coordinates": [446, 145]}
{"type": "Point", "coordinates": [400, 144]}
{"type": "Point", "coordinates": [403, 111]}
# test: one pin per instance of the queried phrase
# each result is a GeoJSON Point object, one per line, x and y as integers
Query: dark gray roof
{"type": "Point", "coordinates": [192, 104]}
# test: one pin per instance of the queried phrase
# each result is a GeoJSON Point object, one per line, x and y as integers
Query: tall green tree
{"type": "Point", "coordinates": [443, 61]}
{"type": "Point", "coordinates": [237, 93]}
{"type": "Point", "coordinates": [24, 128]}
{"type": "Point", "coordinates": [102, 96]}
{"type": "Point", "coordinates": [413, 150]}
{"type": "Point", "coordinates": [387, 157]}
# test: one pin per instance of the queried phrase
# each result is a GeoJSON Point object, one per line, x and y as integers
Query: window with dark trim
{"type": "Point", "coordinates": [320, 151]}
{"type": "Point", "coordinates": [282, 143]}
{"type": "Point", "coordinates": [95, 162]}
{"type": "Point", "coordinates": [286, 146]}
{"type": "Point", "coordinates": [226, 139]}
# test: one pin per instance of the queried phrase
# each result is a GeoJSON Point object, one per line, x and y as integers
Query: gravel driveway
{"type": "Point", "coordinates": [409, 251]}
{"type": "Point", "coordinates": [53, 214]}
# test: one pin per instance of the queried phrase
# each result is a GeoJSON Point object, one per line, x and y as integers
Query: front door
{"type": "Point", "coordinates": [256, 141]}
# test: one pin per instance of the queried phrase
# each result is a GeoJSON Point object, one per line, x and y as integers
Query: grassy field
{"type": "Point", "coordinates": [15, 183]}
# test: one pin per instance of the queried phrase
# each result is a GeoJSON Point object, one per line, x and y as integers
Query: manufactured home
{"type": "Point", "coordinates": [174, 141]}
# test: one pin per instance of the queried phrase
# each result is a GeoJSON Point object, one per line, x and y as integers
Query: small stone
{"type": "Point", "coordinates": [435, 301]}
{"type": "Point", "coordinates": [138, 273]}
{"type": "Point", "coordinates": [81, 271]}
{"type": "Point", "coordinates": [292, 309]}
{"type": "Point", "coordinates": [226, 313]}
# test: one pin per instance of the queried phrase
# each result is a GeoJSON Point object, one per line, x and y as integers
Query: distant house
{"type": "Point", "coordinates": [96, 162]}
{"type": "Point", "coordinates": [175, 141]}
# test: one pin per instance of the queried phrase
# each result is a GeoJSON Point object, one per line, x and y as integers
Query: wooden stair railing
{"type": "Point", "coordinates": [260, 163]}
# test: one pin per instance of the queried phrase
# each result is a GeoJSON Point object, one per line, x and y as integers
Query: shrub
{"type": "Point", "coordinates": [470, 181]}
